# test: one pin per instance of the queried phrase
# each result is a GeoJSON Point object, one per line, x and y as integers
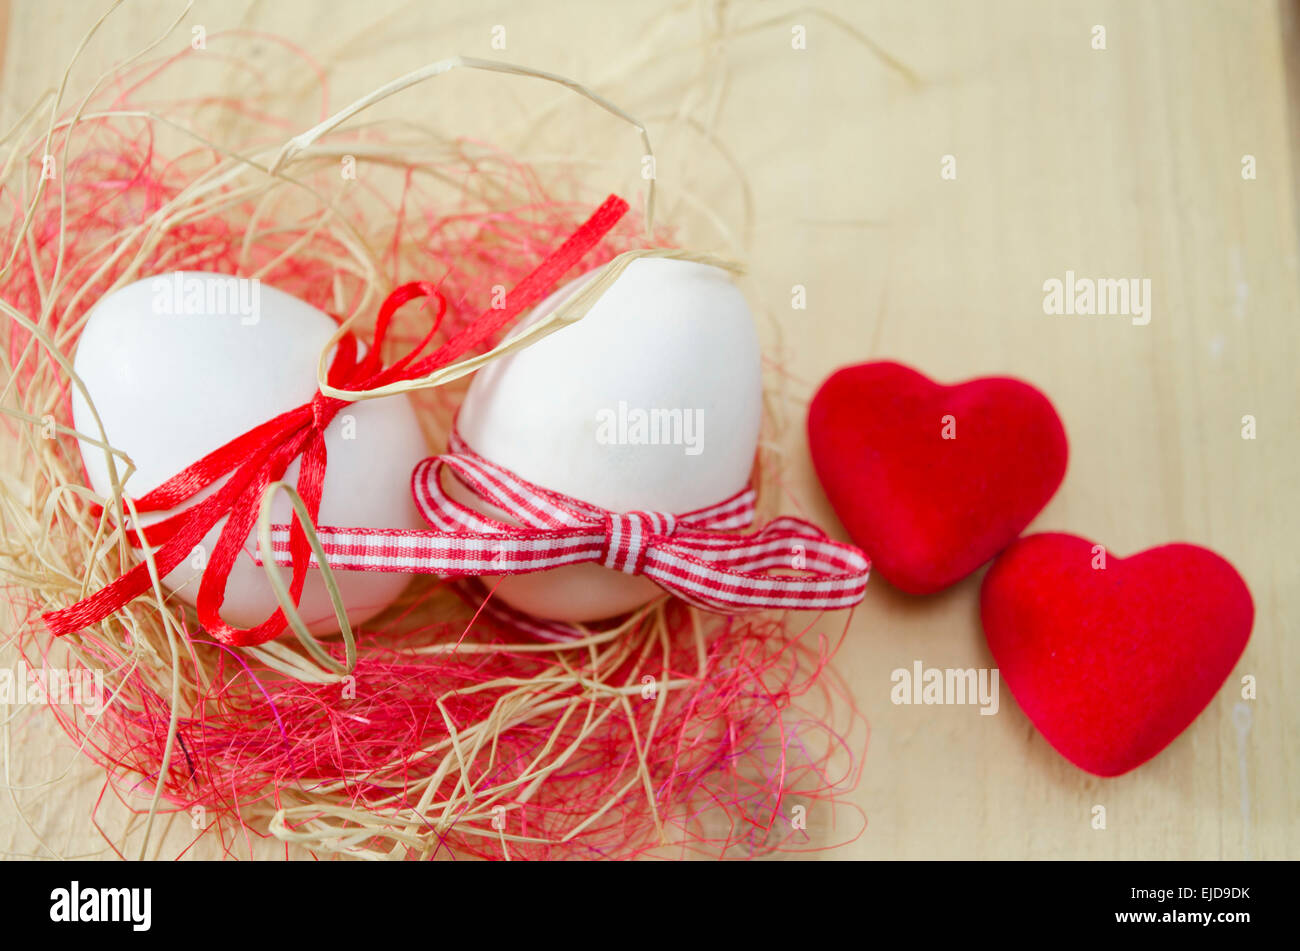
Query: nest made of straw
{"type": "Point", "coordinates": [451, 732]}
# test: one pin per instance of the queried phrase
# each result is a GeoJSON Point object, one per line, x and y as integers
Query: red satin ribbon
{"type": "Point", "coordinates": [260, 457]}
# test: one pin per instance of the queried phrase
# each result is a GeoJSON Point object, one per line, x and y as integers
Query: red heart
{"type": "Point", "coordinates": [930, 510]}
{"type": "Point", "coordinates": [1111, 664]}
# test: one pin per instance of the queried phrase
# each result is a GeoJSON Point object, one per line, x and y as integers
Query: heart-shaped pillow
{"type": "Point", "coordinates": [1112, 658]}
{"type": "Point", "coordinates": [932, 480]}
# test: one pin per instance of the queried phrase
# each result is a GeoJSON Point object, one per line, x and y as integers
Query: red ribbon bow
{"type": "Point", "coordinates": [260, 457]}
{"type": "Point", "coordinates": [696, 555]}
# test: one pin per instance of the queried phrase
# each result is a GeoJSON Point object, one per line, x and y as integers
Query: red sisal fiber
{"type": "Point", "coordinates": [731, 755]}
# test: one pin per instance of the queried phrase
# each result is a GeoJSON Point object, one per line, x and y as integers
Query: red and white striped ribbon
{"type": "Point", "coordinates": [697, 556]}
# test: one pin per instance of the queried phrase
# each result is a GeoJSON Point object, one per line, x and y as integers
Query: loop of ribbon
{"type": "Point", "coordinates": [697, 556]}
{"type": "Point", "coordinates": [252, 462]}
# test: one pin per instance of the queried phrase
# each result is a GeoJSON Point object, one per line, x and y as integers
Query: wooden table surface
{"type": "Point", "coordinates": [1122, 162]}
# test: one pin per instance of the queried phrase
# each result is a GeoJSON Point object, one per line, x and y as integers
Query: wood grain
{"type": "Point", "coordinates": [1122, 162]}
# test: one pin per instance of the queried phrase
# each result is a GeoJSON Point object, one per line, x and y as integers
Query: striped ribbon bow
{"type": "Point", "coordinates": [696, 556]}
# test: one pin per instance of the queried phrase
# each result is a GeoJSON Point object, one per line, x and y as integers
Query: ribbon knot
{"type": "Point", "coordinates": [323, 409]}
{"type": "Point", "coordinates": [629, 535]}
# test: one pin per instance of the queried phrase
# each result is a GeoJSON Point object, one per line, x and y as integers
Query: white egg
{"type": "Point", "coordinates": [669, 336]}
{"type": "Point", "coordinates": [179, 364]}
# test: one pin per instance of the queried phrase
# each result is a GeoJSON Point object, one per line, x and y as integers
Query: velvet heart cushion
{"type": "Point", "coordinates": [1112, 658]}
{"type": "Point", "coordinates": [933, 480]}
